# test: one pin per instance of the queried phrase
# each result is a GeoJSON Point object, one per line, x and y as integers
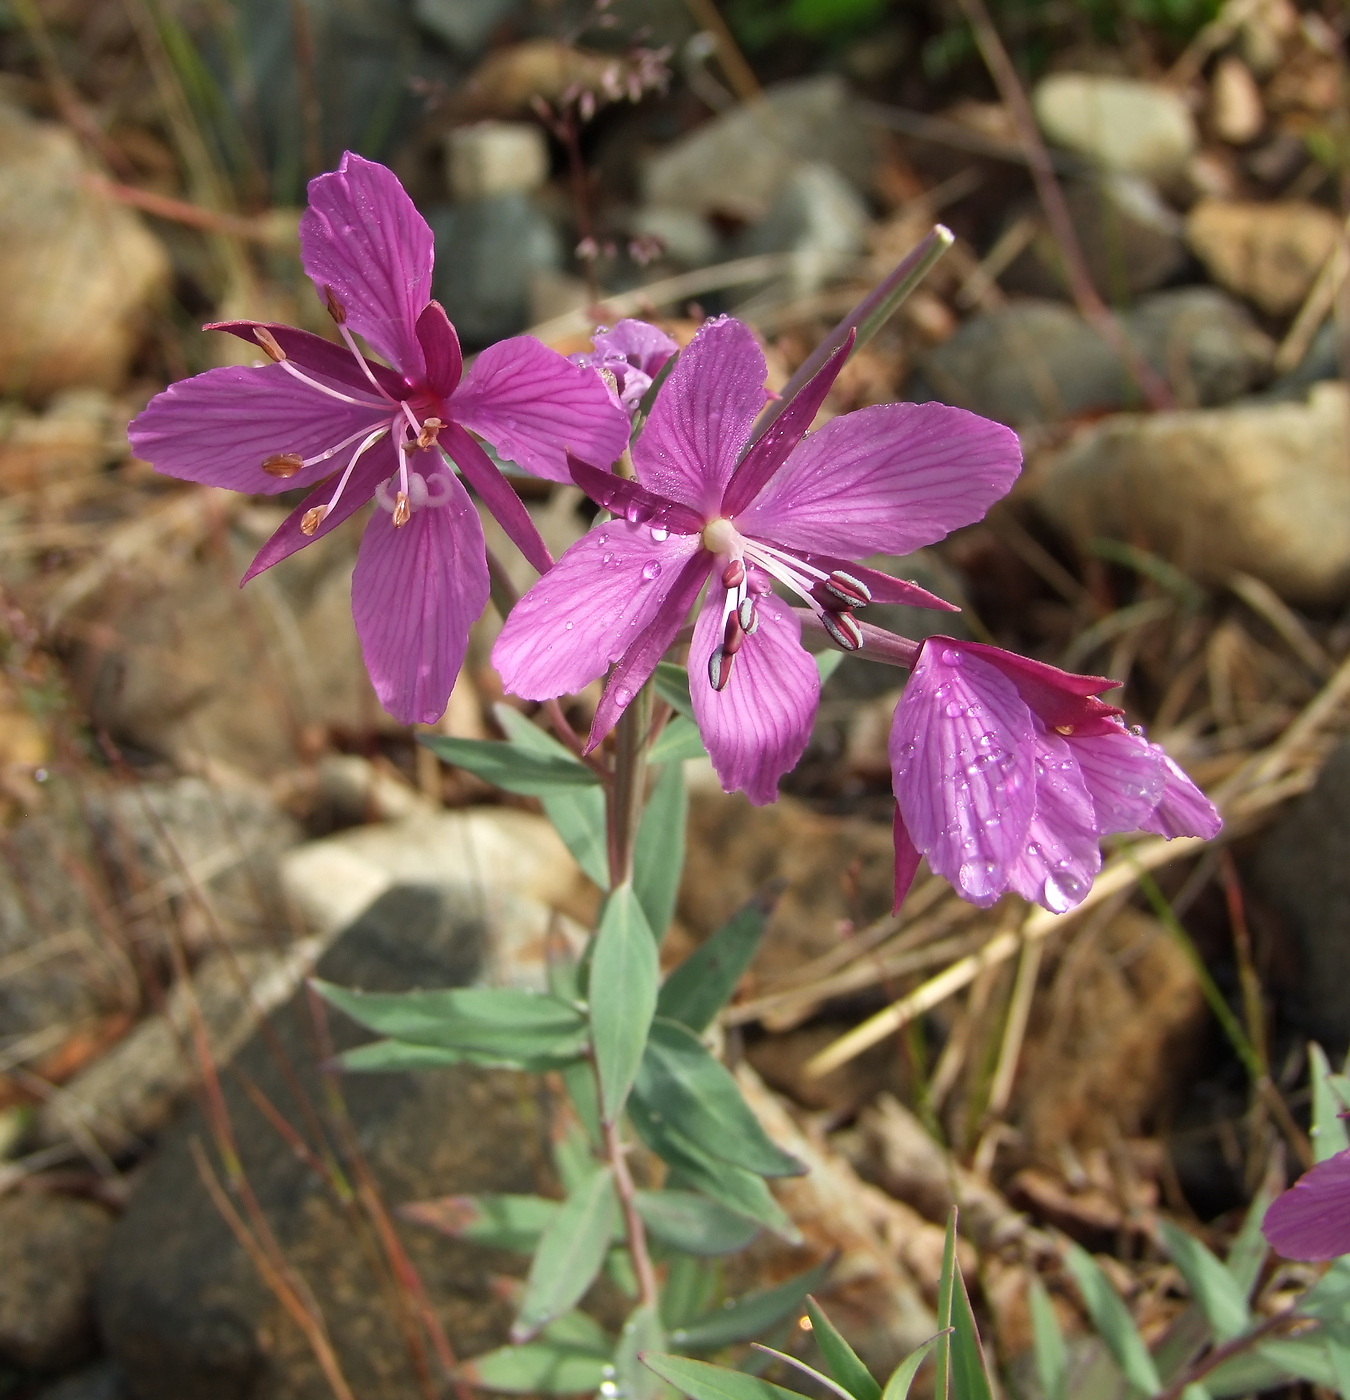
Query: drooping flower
{"type": "Point", "coordinates": [1312, 1219]}
{"type": "Point", "coordinates": [628, 359]}
{"type": "Point", "coordinates": [326, 416]}
{"type": "Point", "coordinates": [1007, 772]}
{"type": "Point", "coordinates": [712, 506]}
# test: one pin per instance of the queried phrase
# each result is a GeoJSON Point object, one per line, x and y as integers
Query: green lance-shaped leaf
{"type": "Point", "coordinates": [1052, 1358]}
{"type": "Point", "coordinates": [658, 852]}
{"type": "Point", "coordinates": [1249, 1249]}
{"type": "Point", "coordinates": [536, 1368]}
{"type": "Point", "coordinates": [690, 1222]}
{"type": "Point", "coordinates": [841, 1361]}
{"type": "Point", "coordinates": [902, 1378]}
{"type": "Point", "coordinates": [701, 1380]}
{"type": "Point", "coordinates": [672, 685]}
{"type": "Point", "coordinates": [797, 1364]}
{"type": "Point", "coordinates": [751, 1316]}
{"type": "Point", "coordinates": [969, 1371]}
{"type": "Point", "coordinates": [571, 1251]}
{"type": "Point", "coordinates": [946, 1301]}
{"type": "Point", "coordinates": [1112, 1320]}
{"type": "Point", "coordinates": [676, 742]}
{"type": "Point", "coordinates": [510, 768]}
{"type": "Point", "coordinates": [690, 1286]}
{"type": "Point", "coordinates": [502, 1221]}
{"type": "Point", "coordinates": [737, 1189]}
{"type": "Point", "coordinates": [1272, 1364]}
{"type": "Point", "coordinates": [577, 813]}
{"type": "Point", "coordinates": [622, 996]}
{"type": "Point", "coordinates": [397, 1056]}
{"type": "Point", "coordinates": [683, 1085]}
{"type": "Point", "coordinates": [498, 1022]}
{"type": "Point", "coordinates": [703, 983]}
{"type": "Point", "coordinates": [1329, 1135]}
{"type": "Point", "coordinates": [827, 663]}
{"type": "Point", "coordinates": [580, 1330]}
{"type": "Point", "coordinates": [642, 1333]}
{"type": "Point", "coordinates": [1211, 1285]}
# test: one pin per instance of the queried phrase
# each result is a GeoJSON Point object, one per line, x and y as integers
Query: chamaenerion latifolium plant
{"type": "Point", "coordinates": [716, 503]}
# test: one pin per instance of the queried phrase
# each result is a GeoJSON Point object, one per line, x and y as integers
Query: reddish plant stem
{"type": "Point", "coordinates": [1090, 304]}
{"type": "Point", "coordinates": [1212, 1360]}
{"type": "Point", "coordinates": [648, 1293]}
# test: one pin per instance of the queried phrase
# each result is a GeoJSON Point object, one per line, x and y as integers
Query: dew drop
{"type": "Point", "coordinates": [659, 533]}
{"type": "Point", "coordinates": [1055, 897]}
{"type": "Point", "coordinates": [650, 571]}
{"type": "Point", "coordinates": [954, 710]}
{"type": "Point", "coordinates": [623, 695]}
{"type": "Point", "coordinates": [607, 559]}
{"type": "Point", "coordinates": [567, 626]}
{"type": "Point", "coordinates": [951, 656]}
{"type": "Point", "coordinates": [976, 876]}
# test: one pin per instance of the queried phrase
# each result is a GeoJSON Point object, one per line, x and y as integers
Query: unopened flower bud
{"type": "Point", "coordinates": [283, 465]}
{"type": "Point", "coordinates": [268, 341]}
{"type": "Point", "coordinates": [312, 519]}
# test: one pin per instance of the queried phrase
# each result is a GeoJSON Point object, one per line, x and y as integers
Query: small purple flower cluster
{"type": "Point", "coordinates": [1006, 771]}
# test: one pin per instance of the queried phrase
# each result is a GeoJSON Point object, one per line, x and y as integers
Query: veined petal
{"type": "Point", "coordinates": [534, 406]}
{"type": "Point", "coordinates": [416, 591]}
{"type": "Point", "coordinates": [756, 727]}
{"type": "Point", "coordinates": [1312, 1219]}
{"type": "Point", "coordinates": [1124, 775]}
{"type": "Point", "coordinates": [702, 417]}
{"type": "Point", "coordinates": [1183, 809]}
{"type": "Point", "coordinates": [588, 609]}
{"type": "Point", "coordinates": [886, 480]}
{"type": "Point", "coordinates": [362, 239]}
{"type": "Point", "coordinates": [639, 661]}
{"type": "Point", "coordinates": [637, 505]}
{"type": "Point", "coordinates": [318, 356]}
{"type": "Point", "coordinates": [480, 471]}
{"type": "Point", "coordinates": [771, 449]}
{"type": "Point", "coordinates": [963, 769]}
{"type": "Point", "coordinates": [643, 345]}
{"type": "Point", "coordinates": [219, 427]}
{"type": "Point", "coordinates": [883, 587]}
{"type": "Point", "coordinates": [440, 349]}
{"type": "Point", "coordinates": [1060, 698]}
{"type": "Point", "coordinates": [1062, 855]}
{"type": "Point", "coordinates": [378, 465]}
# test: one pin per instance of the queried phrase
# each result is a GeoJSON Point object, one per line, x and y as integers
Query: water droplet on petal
{"type": "Point", "coordinates": [607, 559]}
{"type": "Point", "coordinates": [954, 710]}
{"type": "Point", "coordinates": [623, 695]}
{"type": "Point", "coordinates": [951, 656]}
{"type": "Point", "coordinates": [1055, 897]}
{"type": "Point", "coordinates": [659, 533]}
{"type": "Point", "coordinates": [650, 571]}
{"type": "Point", "coordinates": [977, 876]}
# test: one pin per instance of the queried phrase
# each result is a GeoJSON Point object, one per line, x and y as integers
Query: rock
{"type": "Point", "coordinates": [181, 1306]}
{"type": "Point", "coordinates": [493, 158]}
{"type": "Point", "coordinates": [487, 251]}
{"type": "Point", "coordinates": [1122, 124]}
{"type": "Point", "coordinates": [465, 26]}
{"type": "Point", "coordinates": [1131, 241]}
{"type": "Point", "coordinates": [819, 218]}
{"type": "Point", "coordinates": [1322, 360]}
{"type": "Point", "coordinates": [737, 163]}
{"type": "Point", "coordinates": [1260, 488]}
{"type": "Point", "coordinates": [685, 237]}
{"type": "Point", "coordinates": [1235, 110]}
{"type": "Point", "coordinates": [103, 1380]}
{"type": "Point", "coordinates": [78, 435]}
{"type": "Point", "coordinates": [1270, 254]}
{"type": "Point", "coordinates": [78, 272]}
{"type": "Point", "coordinates": [1036, 361]}
{"type": "Point", "coordinates": [51, 1248]}
{"type": "Point", "coordinates": [1301, 874]}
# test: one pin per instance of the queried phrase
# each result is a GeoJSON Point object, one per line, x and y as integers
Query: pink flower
{"type": "Point", "coordinates": [628, 359]}
{"type": "Point", "coordinates": [319, 408]}
{"type": "Point", "coordinates": [709, 506]}
{"type": "Point", "coordinates": [1007, 772]}
{"type": "Point", "coordinates": [1312, 1219]}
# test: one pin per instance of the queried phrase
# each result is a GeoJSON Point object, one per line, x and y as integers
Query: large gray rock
{"type": "Point", "coordinates": [1123, 124]}
{"type": "Point", "coordinates": [51, 1247]}
{"type": "Point", "coordinates": [1037, 361]}
{"type": "Point", "coordinates": [1302, 873]}
{"type": "Point", "coordinates": [182, 1308]}
{"type": "Point", "coordinates": [1257, 488]}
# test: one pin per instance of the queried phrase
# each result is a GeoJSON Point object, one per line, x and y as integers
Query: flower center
{"type": "Point", "coordinates": [720, 536]}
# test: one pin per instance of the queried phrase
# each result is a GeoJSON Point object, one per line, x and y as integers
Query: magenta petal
{"type": "Point", "coordinates": [772, 448]}
{"type": "Point", "coordinates": [883, 588]}
{"type": "Point", "coordinates": [317, 355]}
{"type": "Point", "coordinates": [480, 471]}
{"type": "Point", "coordinates": [641, 344]}
{"type": "Point", "coordinates": [219, 427]}
{"type": "Point", "coordinates": [886, 480]}
{"type": "Point", "coordinates": [907, 858]}
{"type": "Point", "coordinates": [440, 349]}
{"type": "Point", "coordinates": [534, 407]}
{"type": "Point", "coordinates": [1062, 854]}
{"type": "Point", "coordinates": [1184, 810]}
{"type": "Point", "coordinates": [378, 465]}
{"type": "Point", "coordinates": [416, 591]}
{"type": "Point", "coordinates": [1124, 775]}
{"type": "Point", "coordinates": [588, 609]}
{"type": "Point", "coordinates": [963, 770]}
{"type": "Point", "coordinates": [702, 417]}
{"type": "Point", "coordinates": [363, 240]}
{"type": "Point", "coordinates": [637, 505]}
{"type": "Point", "coordinates": [639, 661]}
{"type": "Point", "coordinates": [756, 727]}
{"type": "Point", "coordinates": [1312, 1219]}
{"type": "Point", "coordinates": [1059, 698]}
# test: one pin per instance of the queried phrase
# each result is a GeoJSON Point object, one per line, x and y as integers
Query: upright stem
{"type": "Point", "coordinates": [648, 1294]}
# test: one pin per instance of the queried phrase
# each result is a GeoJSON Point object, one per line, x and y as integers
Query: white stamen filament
{"type": "Point", "coordinates": [336, 448]}
{"type": "Point", "coordinates": [290, 367]}
{"type": "Point", "coordinates": [370, 441]}
{"type": "Point", "coordinates": [361, 360]}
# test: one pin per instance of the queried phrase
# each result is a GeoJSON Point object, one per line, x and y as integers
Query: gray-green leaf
{"type": "Point", "coordinates": [658, 852]}
{"type": "Point", "coordinates": [693, 1223]}
{"type": "Point", "coordinates": [622, 996]}
{"type": "Point", "coordinates": [701, 1380]}
{"type": "Point", "coordinates": [841, 1361]}
{"type": "Point", "coordinates": [750, 1316]}
{"type": "Point", "coordinates": [511, 768]}
{"type": "Point", "coordinates": [703, 983]}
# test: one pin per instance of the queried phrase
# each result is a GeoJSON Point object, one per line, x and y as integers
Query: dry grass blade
{"type": "Point", "coordinates": [1266, 603]}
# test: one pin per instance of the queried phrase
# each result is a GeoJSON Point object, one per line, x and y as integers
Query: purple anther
{"type": "Point", "coordinates": [719, 668]}
{"type": "Point", "coordinates": [734, 574]}
{"type": "Point", "coordinates": [849, 590]}
{"type": "Point", "coordinates": [843, 628]}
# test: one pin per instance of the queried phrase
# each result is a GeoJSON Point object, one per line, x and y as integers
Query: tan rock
{"type": "Point", "coordinates": [1268, 253]}
{"type": "Point", "coordinates": [1258, 488]}
{"type": "Point", "coordinates": [1122, 124]}
{"type": "Point", "coordinates": [1235, 111]}
{"type": "Point", "coordinates": [77, 271]}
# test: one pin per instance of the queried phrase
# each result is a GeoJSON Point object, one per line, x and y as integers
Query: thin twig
{"type": "Point", "coordinates": [1215, 1358]}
